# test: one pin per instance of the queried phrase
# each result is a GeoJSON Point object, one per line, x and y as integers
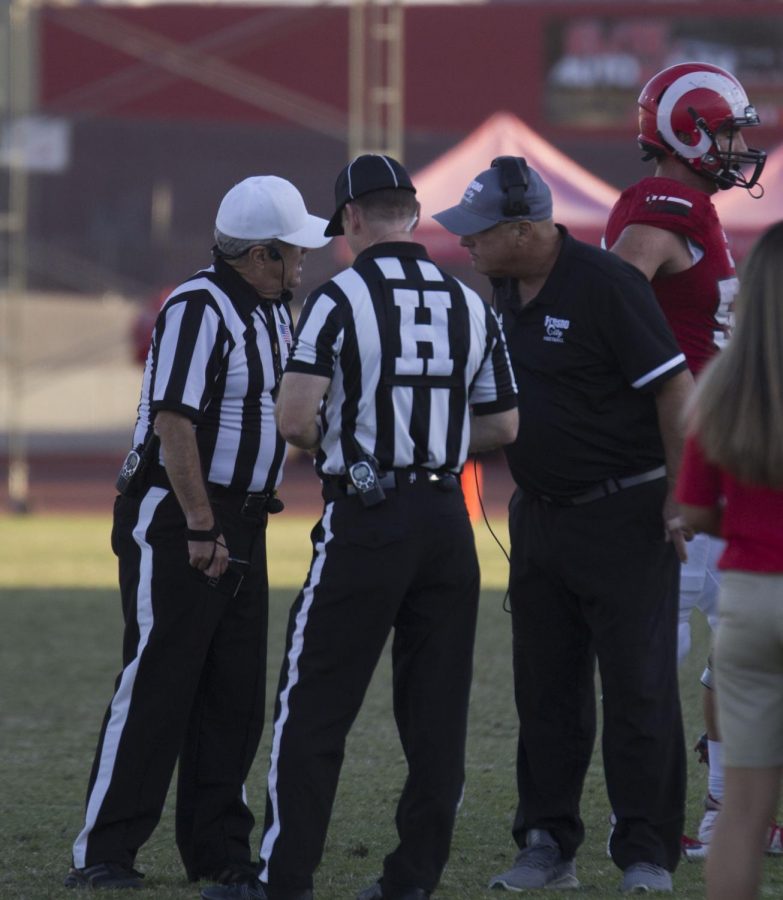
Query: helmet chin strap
{"type": "Point", "coordinates": [742, 182]}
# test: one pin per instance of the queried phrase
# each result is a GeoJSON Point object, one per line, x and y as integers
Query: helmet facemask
{"type": "Point", "coordinates": [725, 165]}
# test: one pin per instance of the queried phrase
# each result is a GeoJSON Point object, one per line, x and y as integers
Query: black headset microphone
{"type": "Point", "coordinates": [274, 504]}
{"type": "Point", "coordinates": [514, 181]}
{"type": "Point", "coordinates": [274, 254]}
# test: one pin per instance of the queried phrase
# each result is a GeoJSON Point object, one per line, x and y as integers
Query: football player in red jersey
{"type": "Point", "coordinates": [691, 122]}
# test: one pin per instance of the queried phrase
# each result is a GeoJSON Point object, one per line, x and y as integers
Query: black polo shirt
{"type": "Point", "coordinates": [588, 353]}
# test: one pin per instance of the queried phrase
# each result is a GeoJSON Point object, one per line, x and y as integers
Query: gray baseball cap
{"type": "Point", "coordinates": [482, 204]}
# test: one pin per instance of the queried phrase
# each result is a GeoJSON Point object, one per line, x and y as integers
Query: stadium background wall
{"type": "Point", "coordinates": [158, 127]}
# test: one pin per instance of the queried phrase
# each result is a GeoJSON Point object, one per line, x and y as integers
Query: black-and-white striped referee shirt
{"type": "Point", "coordinates": [408, 349]}
{"type": "Point", "coordinates": [217, 354]}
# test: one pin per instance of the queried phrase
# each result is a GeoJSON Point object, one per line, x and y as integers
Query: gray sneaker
{"type": "Point", "coordinates": [538, 865]}
{"type": "Point", "coordinates": [646, 878]}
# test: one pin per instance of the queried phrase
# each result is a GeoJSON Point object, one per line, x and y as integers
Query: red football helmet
{"type": "Point", "coordinates": [681, 111]}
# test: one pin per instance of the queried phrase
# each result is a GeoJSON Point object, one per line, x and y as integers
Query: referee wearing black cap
{"type": "Point", "coordinates": [398, 371]}
{"type": "Point", "coordinates": [189, 532]}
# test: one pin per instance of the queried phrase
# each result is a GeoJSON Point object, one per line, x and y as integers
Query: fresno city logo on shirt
{"type": "Point", "coordinates": [555, 329]}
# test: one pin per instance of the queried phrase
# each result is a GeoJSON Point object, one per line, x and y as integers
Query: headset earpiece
{"type": "Point", "coordinates": [514, 179]}
{"type": "Point", "coordinates": [274, 253]}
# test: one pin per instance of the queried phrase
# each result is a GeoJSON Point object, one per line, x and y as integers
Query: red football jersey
{"type": "Point", "coordinates": [697, 302]}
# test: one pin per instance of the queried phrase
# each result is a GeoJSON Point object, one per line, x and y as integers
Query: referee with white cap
{"type": "Point", "coordinates": [189, 532]}
{"type": "Point", "coordinates": [397, 371]}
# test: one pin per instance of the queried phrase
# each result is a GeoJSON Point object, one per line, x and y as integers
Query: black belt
{"type": "Point", "coordinates": [336, 486]}
{"type": "Point", "coordinates": [253, 505]}
{"type": "Point", "coordinates": [606, 488]}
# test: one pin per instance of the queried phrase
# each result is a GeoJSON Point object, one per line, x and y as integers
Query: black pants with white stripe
{"type": "Point", "coordinates": [407, 565]}
{"type": "Point", "coordinates": [191, 687]}
{"type": "Point", "coordinates": [587, 582]}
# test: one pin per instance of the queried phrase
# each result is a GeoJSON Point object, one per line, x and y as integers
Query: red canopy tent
{"type": "Point", "coordinates": [743, 217]}
{"type": "Point", "coordinates": [581, 201]}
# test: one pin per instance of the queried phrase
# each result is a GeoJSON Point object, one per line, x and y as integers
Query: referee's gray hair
{"type": "Point", "coordinates": [233, 248]}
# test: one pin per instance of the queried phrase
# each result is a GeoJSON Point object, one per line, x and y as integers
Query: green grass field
{"type": "Point", "coordinates": [59, 653]}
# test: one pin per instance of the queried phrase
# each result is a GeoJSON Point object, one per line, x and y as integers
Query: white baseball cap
{"type": "Point", "coordinates": [264, 207]}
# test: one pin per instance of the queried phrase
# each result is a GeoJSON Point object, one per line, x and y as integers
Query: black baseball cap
{"type": "Point", "coordinates": [363, 175]}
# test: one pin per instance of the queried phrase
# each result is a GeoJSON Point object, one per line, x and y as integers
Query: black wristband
{"type": "Point", "coordinates": [211, 535]}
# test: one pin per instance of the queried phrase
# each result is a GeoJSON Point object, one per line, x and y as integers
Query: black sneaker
{"type": "Point", "coordinates": [252, 891]}
{"type": "Point", "coordinates": [249, 889]}
{"type": "Point", "coordinates": [104, 876]}
{"type": "Point", "coordinates": [235, 873]}
{"type": "Point", "coordinates": [375, 892]}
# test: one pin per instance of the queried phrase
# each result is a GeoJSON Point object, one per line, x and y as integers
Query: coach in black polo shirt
{"type": "Point", "coordinates": [595, 536]}
{"type": "Point", "coordinates": [189, 532]}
